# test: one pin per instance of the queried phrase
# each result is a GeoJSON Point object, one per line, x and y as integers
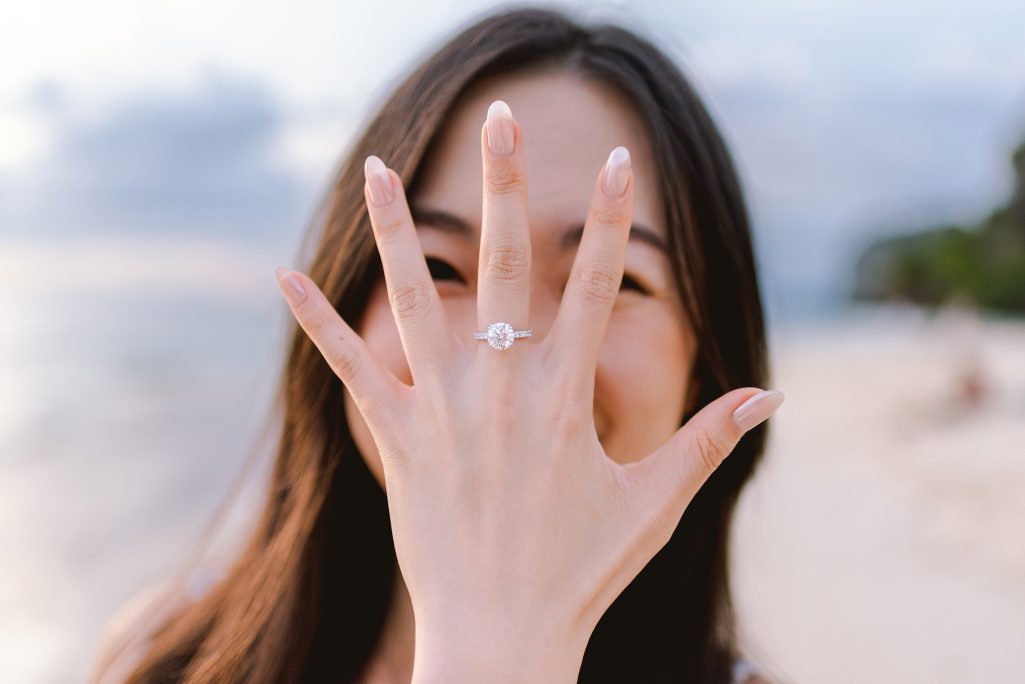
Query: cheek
{"type": "Point", "coordinates": [642, 377]}
{"type": "Point", "coordinates": [378, 330]}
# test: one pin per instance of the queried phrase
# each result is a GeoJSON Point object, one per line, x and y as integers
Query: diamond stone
{"type": "Point", "coordinates": [500, 335]}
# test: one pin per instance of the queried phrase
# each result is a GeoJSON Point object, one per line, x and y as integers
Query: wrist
{"type": "Point", "coordinates": [453, 652]}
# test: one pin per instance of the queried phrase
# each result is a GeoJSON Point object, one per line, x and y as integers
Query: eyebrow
{"type": "Point", "coordinates": [450, 223]}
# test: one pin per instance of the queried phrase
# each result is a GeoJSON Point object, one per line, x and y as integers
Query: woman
{"type": "Point", "coordinates": [559, 505]}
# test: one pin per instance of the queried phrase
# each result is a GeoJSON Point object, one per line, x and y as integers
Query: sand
{"type": "Point", "coordinates": [884, 538]}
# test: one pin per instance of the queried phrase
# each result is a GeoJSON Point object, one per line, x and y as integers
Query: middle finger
{"type": "Point", "coordinates": [581, 323]}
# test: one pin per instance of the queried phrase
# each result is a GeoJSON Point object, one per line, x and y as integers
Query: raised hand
{"type": "Point", "coordinates": [513, 530]}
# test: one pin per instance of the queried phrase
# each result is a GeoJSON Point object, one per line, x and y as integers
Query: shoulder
{"type": "Point", "coordinates": [126, 636]}
{"type": "Point", "coordinates": [746, 671]}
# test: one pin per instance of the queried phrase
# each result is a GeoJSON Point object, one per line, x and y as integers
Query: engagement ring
{"type": "Point", "coordinates": [501, 335]}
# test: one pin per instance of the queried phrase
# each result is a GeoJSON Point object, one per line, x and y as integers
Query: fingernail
{"type": "Point", "coordinates": [379, 180]}
{"type": "Point", "coordinates": [617, 172]}
{"type": "Point", "coordinates": [289, 284]}
{"type": "Point", "coordinates": [757, 408]}
{"type": "Point", "coordinates": [501, 135]}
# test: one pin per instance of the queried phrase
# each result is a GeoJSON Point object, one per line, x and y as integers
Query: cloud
{"type": "Point", "coordinates": [197, 162]}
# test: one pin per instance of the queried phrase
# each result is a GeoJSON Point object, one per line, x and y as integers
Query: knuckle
{"type": "Point", "coordinates": [505, 182]}
{"type": "Point", "coordinates": [411, 300]}
{"type": "Point", "coordinates": [389, 224]}
{"type": "Point", "coordinates": [611, 216]}
{"type": "Point", "coordinates": [657, 525]}
{"type": "Point", "coordinates": [569, 411]}
{"type": "Point", "coordinates": [314, 319]}
{"type": "Point", "coordinates": [599, 284]}
{"type": "Point", "coordinates": [710, 451]}
{"type": "Point", "coordinates": [508, 262]}
{"type": "Point", "coordinates": [576, 424]}
{"type": "Point", "coordinates": [577, 393]}
{"type": "Point", "coordinates": [346, 363]}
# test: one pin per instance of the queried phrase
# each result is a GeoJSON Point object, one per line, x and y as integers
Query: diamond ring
{"type": "Point", "coordinates": [501, 335]}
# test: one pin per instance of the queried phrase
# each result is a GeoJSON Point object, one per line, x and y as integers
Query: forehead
{"type": "Point", "coordinates": [569, 123]}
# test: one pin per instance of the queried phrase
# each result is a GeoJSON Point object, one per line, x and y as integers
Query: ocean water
{"type": "Point", "coordinates": [134, 389]}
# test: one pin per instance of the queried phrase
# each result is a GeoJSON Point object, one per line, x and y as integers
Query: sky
{"type": "Point", "coordinates": [199, 121]}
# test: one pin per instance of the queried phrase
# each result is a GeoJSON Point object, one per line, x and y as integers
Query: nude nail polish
{"type": "Point", "coordinates": [757, 408]}
{"type": "Point", "coordinates": [379, 181]}
{"type": "Point", "coordinates": [289, 285]}
{"type": "Point", "coordinates": [501, 135]}
{"type": "Point", "coordinates": [617, 172]}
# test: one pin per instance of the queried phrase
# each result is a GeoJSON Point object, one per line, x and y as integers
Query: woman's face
{"type": "Point", "coordinates": [569, 127]}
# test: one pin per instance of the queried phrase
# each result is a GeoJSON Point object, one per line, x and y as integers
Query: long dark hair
{"type": "Point", "coordinates": [305, 600]}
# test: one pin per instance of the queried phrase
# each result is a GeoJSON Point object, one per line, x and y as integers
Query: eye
{"type": "Point", "coordinates": [442, 269]}
{"type": "Point", "coordinates": [629, 282]}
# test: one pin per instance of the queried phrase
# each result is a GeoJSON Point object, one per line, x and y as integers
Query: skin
{"type": "Point", "coordinates": [526, 487]}
{"type": "Point", "coordinates": [643, 370]}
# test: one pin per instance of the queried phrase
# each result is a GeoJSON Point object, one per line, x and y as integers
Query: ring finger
{"type": "Point", "coordinates": [503, 276]}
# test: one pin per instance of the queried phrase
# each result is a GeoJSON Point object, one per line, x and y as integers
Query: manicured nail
{"type": "Point", "coordinates": [617, 172]}
{"type": "Point", "coordinates": [289, 285]}
{"type": "Point", "coordinates": [501, 135]}
{"type": "Point", "coordinates": [757, 408]}
{"type": "Point", "coordinates": [379, 180]}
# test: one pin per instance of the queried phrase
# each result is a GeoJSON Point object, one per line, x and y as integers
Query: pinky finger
{"type": "Point", "coordinates": [348, 355]}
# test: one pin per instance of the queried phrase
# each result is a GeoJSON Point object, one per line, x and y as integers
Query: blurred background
{"type": "Point", "coordinates": [157, 160]}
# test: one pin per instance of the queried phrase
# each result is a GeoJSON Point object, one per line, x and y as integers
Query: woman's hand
{"type": "Point", "coordinates": [514, 531]}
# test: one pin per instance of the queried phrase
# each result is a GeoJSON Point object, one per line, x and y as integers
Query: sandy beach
{"type": "Point", "coordinates": [884, 538]}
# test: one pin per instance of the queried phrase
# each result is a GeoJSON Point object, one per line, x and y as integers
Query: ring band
{"type": "Point", "coordinates": [501, 335]}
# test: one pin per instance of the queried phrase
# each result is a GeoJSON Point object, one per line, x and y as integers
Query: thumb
{"type": "Point", "coordinates": [671, 476]}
